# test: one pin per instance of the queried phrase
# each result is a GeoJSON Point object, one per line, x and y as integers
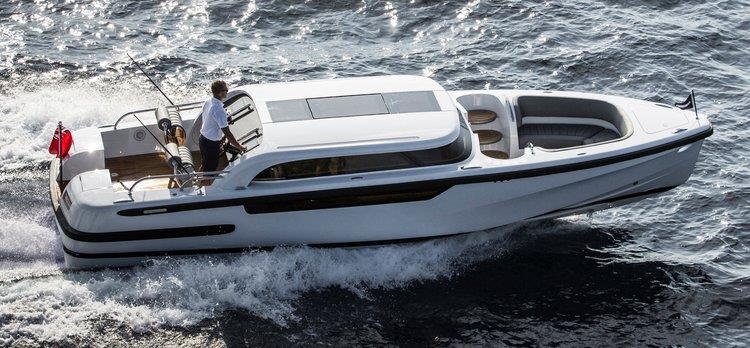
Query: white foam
{"type": "Point", "coordinates": [182, 292]}
{"type": "Point", "coordinates": [24, 239]}
{"type": "Point", "coordinates": [30, 115]}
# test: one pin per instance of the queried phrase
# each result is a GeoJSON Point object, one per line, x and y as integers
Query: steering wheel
{"type": "Point", "coordinates": [227, 148]}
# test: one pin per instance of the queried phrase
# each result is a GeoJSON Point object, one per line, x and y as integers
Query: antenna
{"type": "Point", "coordinates": [150, 79]}
{"type": "Point", "coordinates": [144, 126]}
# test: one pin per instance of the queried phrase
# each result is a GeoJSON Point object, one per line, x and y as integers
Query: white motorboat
{"type": "Point", "coordinates": [357, 162]}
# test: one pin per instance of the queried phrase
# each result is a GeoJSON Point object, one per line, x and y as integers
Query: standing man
{"type": "Point", "coordinates": [215, 126]}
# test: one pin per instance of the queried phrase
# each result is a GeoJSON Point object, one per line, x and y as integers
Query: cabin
{"type": "Point", "coordinates": [307, 129]}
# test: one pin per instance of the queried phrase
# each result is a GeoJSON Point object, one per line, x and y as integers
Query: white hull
{"type": "Point", "coordinates": [460, 209]}
{"type": "Point", "coordinates": [601, 151]}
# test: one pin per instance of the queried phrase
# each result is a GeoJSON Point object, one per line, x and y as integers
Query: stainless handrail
{"type": "Point", "coordinates": [202, 175]}
{"type": "Point", "coordinates": [247, 138]}
{"type": "Point", "coordinates": [128, 114]}
{"type": "Point", "coordinates": [192, 177]}
{"type": "Point", "coordinates": [178, 106]}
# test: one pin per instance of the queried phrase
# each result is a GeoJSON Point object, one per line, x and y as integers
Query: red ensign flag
{"type": "Point", "coordinates": [58, 148]}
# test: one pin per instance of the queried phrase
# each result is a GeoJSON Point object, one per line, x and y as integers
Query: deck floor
{"type": "Point", "coordinates": [130, 168]}
{"type": "Point", "coordinates": [136, 166]}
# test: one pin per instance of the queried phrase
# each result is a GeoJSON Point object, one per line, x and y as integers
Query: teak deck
{"type": "Point", "coordinates": [128, 168]}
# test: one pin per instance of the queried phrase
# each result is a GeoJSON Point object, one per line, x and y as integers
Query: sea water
{"type": "Point", "coordinates": [673, 269]}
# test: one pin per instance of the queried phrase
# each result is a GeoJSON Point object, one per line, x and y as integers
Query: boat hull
{"type": "Point", "coordinates": [454, 209]}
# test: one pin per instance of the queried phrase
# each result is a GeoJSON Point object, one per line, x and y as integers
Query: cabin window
{"type": "Point", "coordinates": [352, 105]}
{"type": "Point", "coordinates": [348, 198]}
{"type": "Point", "coordinates": [457, 151]}
{"type": "Point", "coordinates": [335, 166]}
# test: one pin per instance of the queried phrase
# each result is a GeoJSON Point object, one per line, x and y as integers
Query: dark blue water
{"type": "Point", "coordinates": [670, 270]}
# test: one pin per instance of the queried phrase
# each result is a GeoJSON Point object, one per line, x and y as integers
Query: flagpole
{"type": "Point", "coordinates": [59, 149]}
{"type": "Point", "coordinates": [695, 105]}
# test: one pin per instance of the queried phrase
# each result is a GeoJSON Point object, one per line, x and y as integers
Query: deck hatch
{"type": "Point", "coordinates": [352, 105]}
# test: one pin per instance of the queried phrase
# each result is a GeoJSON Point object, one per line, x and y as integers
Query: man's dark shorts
{"type": "Point", "coordinates": [209, 153]}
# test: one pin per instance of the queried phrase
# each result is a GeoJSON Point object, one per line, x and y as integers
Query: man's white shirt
{"type": "Point", "coordinates": [214, 119]}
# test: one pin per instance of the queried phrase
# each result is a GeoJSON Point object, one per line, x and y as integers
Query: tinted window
{"type": "Point", "coordinates": [328, 201]}
{"type": "Point", "coordinates": [335, 166]}
{"type": "Point", "coordinates": [403, 102]}
{"type": "Point", "coordinates": [456, 151]}
{"type": "Point", "coordinates": [354, 105]}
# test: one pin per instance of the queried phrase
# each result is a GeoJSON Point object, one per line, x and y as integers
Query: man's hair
{"type": "Point", "coordinates": [218, 86]}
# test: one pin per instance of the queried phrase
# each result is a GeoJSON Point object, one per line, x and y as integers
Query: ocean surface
{"type": "Point", "coordinates": [669, 270]}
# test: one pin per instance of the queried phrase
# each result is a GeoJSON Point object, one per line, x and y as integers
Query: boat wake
{"type": "Point", "coordinates": [182, 292]}
{"type": "Point", "coordinates": [30, 117]}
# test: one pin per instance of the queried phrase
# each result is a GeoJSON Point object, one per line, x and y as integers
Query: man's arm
{"type": "Point", "coordinates": [221, 117]}
{"type": "Point", "coordinates": [232, 140]}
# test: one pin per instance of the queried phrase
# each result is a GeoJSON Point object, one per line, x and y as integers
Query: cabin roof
{"type": "Point", "coordinates": [380, 128]}
{"type": "Point", "coordinates": [266, 92]}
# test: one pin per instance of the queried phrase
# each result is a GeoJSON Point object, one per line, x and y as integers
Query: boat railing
{"type": "Point", "coordinates": [184, 178]}
{"type": "Point", "coordinates": [180, 107]}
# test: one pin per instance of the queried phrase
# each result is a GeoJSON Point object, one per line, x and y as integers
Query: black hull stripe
{"type": "Point", "coordinates": [166, 253]}
{"type": "Point", "coordinates": [189, 252]}
{"type": "Point", "coordinates": [257, 205]}
{"type": "Point", "coordinates": [124, 236]}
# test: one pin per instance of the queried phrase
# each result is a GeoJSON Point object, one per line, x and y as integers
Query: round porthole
{"type": "Point", "coordinates": [139, 135]}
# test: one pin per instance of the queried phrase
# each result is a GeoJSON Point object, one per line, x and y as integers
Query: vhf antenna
{"type": "Point", "coordinates": [182, 166]}
{"type": "Point", "coordinates": [150, 79]}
